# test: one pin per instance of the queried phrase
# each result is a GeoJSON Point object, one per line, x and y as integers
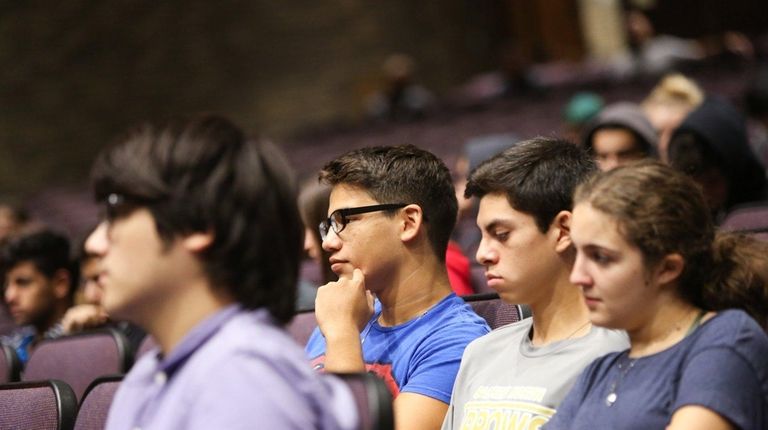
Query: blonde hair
{"type": "Point", "coordinates": [675, 89]}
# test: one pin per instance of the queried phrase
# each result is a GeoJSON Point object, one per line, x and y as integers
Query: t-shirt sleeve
{"type": "Point", "coordinates": [438, 360]}
{"type": "Point", "coordinates": [721, 380]}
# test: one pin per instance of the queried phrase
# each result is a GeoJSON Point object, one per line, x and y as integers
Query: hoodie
{"type": "Point", "coordinates": [720, 126]}
{"type": "Point", "coordinates": [628, 116]}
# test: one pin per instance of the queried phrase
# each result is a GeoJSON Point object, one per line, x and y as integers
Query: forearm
{"type": "Point", "coordinates": [344, 353]}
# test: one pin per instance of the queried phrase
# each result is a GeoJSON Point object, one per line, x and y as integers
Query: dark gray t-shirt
{"type": "Point", "coordinates": [722, 366]}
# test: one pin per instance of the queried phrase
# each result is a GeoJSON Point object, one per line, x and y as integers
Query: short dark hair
{"type": "Point", "coordinates": [538, 177]}
{"type": "Point", "coordinates": [204, 175]}
{"type": "Point", "coordinates": [46, 249]}
{"type": "Point", "coordinates": [402, 174]}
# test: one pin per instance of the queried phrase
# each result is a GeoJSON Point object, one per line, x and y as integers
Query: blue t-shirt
{"type": "Point", "coordinates": [721, 366]}
{"type": "Point", "coordinates": [420, 356]}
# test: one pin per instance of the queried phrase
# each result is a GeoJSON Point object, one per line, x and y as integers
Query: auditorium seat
{"type": "Point", "coordinates": [751, 219]}
{"type": "Point", "coordinates": [79, 359]}
{"type": "Point", "coordinates": [10, 365]}
{"type": "Point", "coordinates": [372, 399]}
{"type": "Point", "coordinates": [495, 311]}
{"type": "Point", "coordinates": [38, 405]}
{"type": "Point", "coordinates": [96, 401]}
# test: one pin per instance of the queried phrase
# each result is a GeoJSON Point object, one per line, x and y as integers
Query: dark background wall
{"type": "Point", "coordinates": [73, 74]}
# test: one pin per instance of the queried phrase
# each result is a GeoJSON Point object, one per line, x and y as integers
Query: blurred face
{"type": "Point", "coordinates": [30, 295]}
{"type": "Point", "coordinates": [665, 118]}
{"type": "Point", "coordinates": [89, 273]}
{"type": "Point", "coordinates": [311, 247]}
{"type": "Point", "coordinates": [137, 272]}
{"type": "Point", "coordinates": [520, 261]}
{"type": "Point", "coordinates": [610, 271]}
{"type": "Point", "coordinates": [369, 241]}
{"type": "Point", "coordinates": [614, 147]}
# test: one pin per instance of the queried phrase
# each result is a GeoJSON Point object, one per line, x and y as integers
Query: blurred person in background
{"type": "Point", "coordinates": [667, 105]}
{"type": "Point", "coordinates": [711, 146]}
{"type": "Point", "coordinates": [620, 134]}
{"type": "Point", "coordinates": [39, 279]}
{"type": "Point", "coordinates": [313, 206]}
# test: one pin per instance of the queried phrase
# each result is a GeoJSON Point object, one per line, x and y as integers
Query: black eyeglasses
{"type": "Point", "coordinates": [117, 206]}
{"type": "Point", "coordinates": [338, 218]}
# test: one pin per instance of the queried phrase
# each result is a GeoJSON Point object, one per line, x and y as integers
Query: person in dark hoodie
{"type": "Point", "coordinates": [621, 133]}
{"type": "Point", "coordinates": [711, 146]}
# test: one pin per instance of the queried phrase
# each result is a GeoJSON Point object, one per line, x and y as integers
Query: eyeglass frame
{"type": "Point", "coordinates": [327, 225]}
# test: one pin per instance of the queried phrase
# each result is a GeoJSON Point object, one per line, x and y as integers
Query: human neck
{"type": "Point", "coordinates": [559, 315]}
{"type": "Point", "coordinates": [55, 317]}
{"type": "Point", "coordinates": [663, 329]}
{"type": "Point", "coordinates": [172, 319]}
{"type": "Point", "coordinates": [418, 288]}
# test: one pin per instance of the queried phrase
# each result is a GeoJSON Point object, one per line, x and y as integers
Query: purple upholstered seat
{"type": "Point", "coordinates": [372, 400]}
{"type": "Point", "coordinates": [147, 344]}
{"type": "Point", "coordinates": [39, 405]}
{"type": "Point", "coordinates": [495, 311]}
{"type": "Point", "coordinates": [10, 365]}
{"type": "Point", "coordinates": [302, 325]}
{"type": "Point", "coordinates": [752, 219]}
{"type": "Point", "coordinates": [96, 402]}
{"type": "Point", "coordinates": [79, 359]}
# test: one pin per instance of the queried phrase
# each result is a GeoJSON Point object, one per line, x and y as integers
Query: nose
{"type": "Point", "coordinates": [609, 163]}
{"type": "Point", "coordinates": [98, 241]}
{"type": "Point", "coordinates": [10, 294]}
{"type": "Point", "coordinates": [579, 274]}
{"type": "Point", "coordinates": [332, 241]}
{"type": "Point", "coordinates": [486, 255]}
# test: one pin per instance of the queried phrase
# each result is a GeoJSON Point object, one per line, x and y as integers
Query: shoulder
{"type": "Point", "coordinates": [733, 330]}
{"type": "Point", "coordinates": [454, 311]}
{"type": "Point", "coordinates": [502, 337]}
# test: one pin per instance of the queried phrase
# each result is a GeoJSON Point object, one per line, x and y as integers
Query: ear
{"type": "Point", "coordinates": [561, 230]}
{"type": "Point", "coordinates": [669, 269]}
{"type": "Point", "coordinates": [411, 219]}
{"type": "Point", "coordinates": [197, 242]}
{"type": "Point", "coordinates": [61, 282]}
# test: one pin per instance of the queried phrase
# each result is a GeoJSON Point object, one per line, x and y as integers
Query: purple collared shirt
{"type": "Point", "coordinates": [235, 370]}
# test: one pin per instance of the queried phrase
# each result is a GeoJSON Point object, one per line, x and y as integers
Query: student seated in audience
{"type": "Point", "coordinates": [516, 376]}
{"type": "Point", "coordinates": [667, 105]}
{"type": "Point", "coordinates": [620, 134]}
{"type": "Point", "coordinates": [313, 206]}
{"type": "Point", "coordinates": [39, 280]}
{"type": "Point", "coordinates": [711, 145]}
{"type": "Point", "coordinates": [201, 246]}
{"type": "Point", "coordinates": [650, 262]}
{"type": "Point", "coordinates": [88, 312]}
{"type": "Point", "coordinates": [392, 210]}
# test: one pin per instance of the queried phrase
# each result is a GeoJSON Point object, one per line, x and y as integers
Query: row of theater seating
{"type": "Point", "coordinates": [68, 374]}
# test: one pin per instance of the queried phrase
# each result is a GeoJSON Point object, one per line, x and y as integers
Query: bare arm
{"type": "Point", "coordinates": [342, 309]}
{"type": "Point", "coordinates": [417, 412]}
{"type": "Point", "coordinates": [698, 417]}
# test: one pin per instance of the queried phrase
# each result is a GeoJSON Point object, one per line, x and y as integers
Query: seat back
{"type": "Point", "coordinates": [79, 359]}
{"type": "Point", "coordinates": [372, 399]}
{"type": "Point", "coordinates": [302, 325]}
{"type": "Point", "coordinates": [10, 365]}
{"type": "Point", "coordinates": [495, 311]}
{"type": "Point", "coordinates": [752, 219]}
{"type": "Point", "coordinates": [39, 405]}
{"type": "Point", "coordinates": [97, 399]}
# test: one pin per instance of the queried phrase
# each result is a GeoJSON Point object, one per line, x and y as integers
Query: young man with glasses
{"type": "Point", "coordinates": [200, 247]}
{"type": "Point", "coordinates": [392, 210]}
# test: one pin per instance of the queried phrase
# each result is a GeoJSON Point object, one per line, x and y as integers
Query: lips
{"type": "Point", "coordinates": [336, 264]}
